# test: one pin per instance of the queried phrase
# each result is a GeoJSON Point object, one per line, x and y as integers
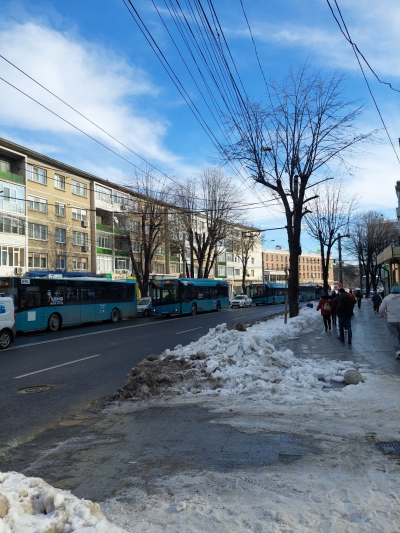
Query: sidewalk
{"type": "Point", "coordinates": [240, 464]}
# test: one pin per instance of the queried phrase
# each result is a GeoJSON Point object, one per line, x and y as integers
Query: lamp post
{"type": "Point", "coordinates": [340, 237]}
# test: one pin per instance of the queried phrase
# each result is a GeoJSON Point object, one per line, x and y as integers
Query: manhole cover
{"type": "Point", "coordinates": [34, 389]}
{"type": "Point", "coordinates": [390, 448]}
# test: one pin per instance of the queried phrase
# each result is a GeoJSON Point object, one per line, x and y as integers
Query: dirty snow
{"type": "Point", "coordinates": [349, 487]}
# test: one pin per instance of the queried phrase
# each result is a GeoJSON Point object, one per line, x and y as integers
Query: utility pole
{"type": "Point", "coordinates": [360, 267]}
{"type": "Point", "coordinates": [340, 259]}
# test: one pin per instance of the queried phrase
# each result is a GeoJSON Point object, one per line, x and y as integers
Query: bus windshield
{"type": "Point", "coordinates": [164, 292]}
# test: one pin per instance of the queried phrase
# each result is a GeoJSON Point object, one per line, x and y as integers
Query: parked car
{"type": "Point", "coordinates": [7, 322]}
{"type": "Point", "coordinates": [144, 306]}
{"type": "Point", "coordinates": [241, 301]}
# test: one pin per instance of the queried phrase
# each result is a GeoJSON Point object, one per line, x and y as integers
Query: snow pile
{"type": "Point", "coordinates": [230, 361]}
{"type": "Point", "coordinates": [30, 504]}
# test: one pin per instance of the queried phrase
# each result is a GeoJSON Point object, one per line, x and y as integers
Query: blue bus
{"type": "Point", "coordinates": [51, 303]}
{"type": "Point", "coordinates": [267, 293]}
{"type": "Point", "coordinates": [183, 296]}
{"type": "Point", "coordinates": [306, 293]}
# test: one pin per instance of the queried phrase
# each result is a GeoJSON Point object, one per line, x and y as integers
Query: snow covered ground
{"type": "Point", "coordinates": [349, 487]}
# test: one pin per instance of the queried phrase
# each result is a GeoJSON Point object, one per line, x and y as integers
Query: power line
{"type": "Point", "coordinates": [363, 73]}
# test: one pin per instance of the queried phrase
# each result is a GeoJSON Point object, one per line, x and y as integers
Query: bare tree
{"type": "Point", "coordinates": [208, 207]}
{"type": "Point", "coordinates": [145, 224]}
{"type": "Point", "coordinates": [330, 214]}
{"type": "Point", "coordinates": [243, 243]}
{"type": "Point", "coordinates": [305, 126]}
{"type": "Point", "coordinates": [370, 234]}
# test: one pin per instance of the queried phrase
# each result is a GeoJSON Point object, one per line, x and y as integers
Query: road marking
{"type": "Point", "coordinates": [57, 366]}
{"type": "Point", "coordinates": [237, 317]}
{"type": "Point", "coordinates": [186, 330]}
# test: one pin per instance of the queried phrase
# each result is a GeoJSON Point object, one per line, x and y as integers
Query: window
{"type": "Point", "coordinates": [160, 250]}
{"type": "Point", "coordinates": [78, 188]}
{"type": "Point", "coordinates": [229, 258]}
{"type": "Point", "coordinates": [37, 231]}
{"type": "Point", "coordinates": [104, 264]}
{"type": "Point", "coordinates": [237, 271]}
{"type": "Point", "coordinates": [61, 263]}
{"type": "Point", "coordinates": [59, 182]}
{"type": "Point", "coordinates": [159, 268]}
{"type": "Point", "coordinates": [121, 263]}
{"type": "Point", "coordinates": [105, 240]}
{"type": "Point", "coordinates": [5, 166]}
{"type": "Point", "coordinates": [252, 260]}
{"type": "Point", "coordinates": [10, 195]}
{"type": "Point", "coordinates": [229, 271]}
{"type": "Point", "coordinates": [10, 256]}
{"type": "Point", "coordinates": [60, 209]}
{"type": "Point", "coordinates": [78, 214]}
{"type": "Point", "coordinates": [12, 225]}
{"type": "Point", "coordinates": [252, 273]}
{"type": "Point", "coordinates": [79, 239]}
{"type": "Point", "coordinates": [61, 235]}
{"type": "Point", "coordinates": [37, 204]}
{"type": "Point", "coordinates": [37, 260]}
{"type": "Point", "coordinates": [102, 193]}
{"type": "Point", "coordinates": [36, 174]}
{"type": "Point", "coordinates": [79, 263]}
{"type": "Point", "coordinates": [136, 247]}
{"type": "Point", "coordinates": [135, 227]}
{"type": "Point", "coordinates": [12, 198]}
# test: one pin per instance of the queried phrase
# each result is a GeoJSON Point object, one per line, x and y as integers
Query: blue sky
{"type": "Point", "coordinates": [92, 54]}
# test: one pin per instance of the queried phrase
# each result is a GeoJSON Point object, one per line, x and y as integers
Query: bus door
{"type": "Point", "coordinates": [88, 303]}
{"type": "Point", "coordinates": [73, 305]}
{"type": "Point", "coordinates": [30, 316]}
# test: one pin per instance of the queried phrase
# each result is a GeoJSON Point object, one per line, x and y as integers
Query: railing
{"type": "Point", "coordinates": [12, 177]}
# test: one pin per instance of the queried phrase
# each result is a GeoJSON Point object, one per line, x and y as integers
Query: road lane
{"type": "Point", "coordinates": [119, 346]}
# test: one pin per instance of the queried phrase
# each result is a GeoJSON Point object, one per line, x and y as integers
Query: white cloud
{"type": "Point", "coordinates": [102, 86]}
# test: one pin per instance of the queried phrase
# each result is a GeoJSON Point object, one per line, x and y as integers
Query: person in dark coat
{"type": "Point", "coordinates": [344, 311]}
{"type": "Point", "coordinates": [359, 297]}
{"type": "Point", "coordinates": [376, 301]}
{"type": "Point", "coordinates": [326, 304]}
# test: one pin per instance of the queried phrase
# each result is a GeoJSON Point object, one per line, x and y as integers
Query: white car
{"type": "Point", "coordinates": [241, 301]}
{"type": "Point", "coordinates": [7, 322]}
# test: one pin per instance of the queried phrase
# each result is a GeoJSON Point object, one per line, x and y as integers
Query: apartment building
{"type": "Point", "coordinates": [13, 224]}
{"type": "Point", "coordinates": [310, 266]}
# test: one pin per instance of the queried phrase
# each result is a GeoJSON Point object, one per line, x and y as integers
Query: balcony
{"type": "Point", "coordinates": [15, 178]}
{"type": "Point", "coordinates": [101, 227]}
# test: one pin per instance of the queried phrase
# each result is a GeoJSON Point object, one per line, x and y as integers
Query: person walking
{"type": "Point", "coordinates": [344, 311]}
{"type": "Point", "coordinates": [326, 305]}
{"type": "Point", "coordinates": [391, 304]}
{"type": "Point", "coordinates": [376, 301]}
{"type": "Point", "coordinates": [334, 296]}
{"type": "Point", "coordinates": [359, 297]}
{"type": "Point", "coordinates": [353, 297]}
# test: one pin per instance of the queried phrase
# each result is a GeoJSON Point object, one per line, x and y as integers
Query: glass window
{"type": "Point", "coordinates": [37, 231]}
{"type": "Point", "coordinates": [78, 214]}
{"type": "Point", "coordinates": [80, 263]}
{"type": "Point", "coordinates": [61, 235]}
{"type": "Point", "coordinates": [121, 263]}
{"type": "Point", "coordinates": [102, 193]}
{"type": "Point", "coordinates": [5, 165]}
{"type": "Point", "coordinates": [79, 238]}
{"type": "Point", "coordinates": [78, 188]}
{"type": "Point", "coordinates": [59, 182]}
{"type": "Point", "coordinates": [37, 260]}
{"type": "Point", "coordinates": [159, 268]}
{"type": "Point", "coordinates": [160, 250]}
{"type": "Point", "coordinates": [230, 271]}
{"type": "Point", "coordinates": [105, 240]}
{"type": "Point", "coordinates": [60, 209]}
{"type": "Point", "coordinates": [36, 174]}
{"type": "Point", "coordinates": [37, 204]}
{"type": "Point", "coordinates": [61, 262]}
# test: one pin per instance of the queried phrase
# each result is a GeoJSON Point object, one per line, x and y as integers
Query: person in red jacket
{"type": "Point", "coordinates": [326, 305]}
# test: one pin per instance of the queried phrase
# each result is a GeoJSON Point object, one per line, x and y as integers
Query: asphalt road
{"type": "Point", "coordinates": [86, 363]}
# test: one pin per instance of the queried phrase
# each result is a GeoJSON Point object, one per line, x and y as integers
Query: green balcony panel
{"type": "Point", "coordinates": [11, 177]}
{"type": "Point", "coordinates": [103, 251]}
{"type": "Point", "coordinates": [121, 254]}
{"type": "Point", "coordinates": [101, 227]}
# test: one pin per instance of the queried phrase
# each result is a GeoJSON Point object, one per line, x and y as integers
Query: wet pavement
{"type": "Point", "coordinates": [95, 456]}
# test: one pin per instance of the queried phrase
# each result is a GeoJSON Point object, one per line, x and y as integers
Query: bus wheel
{"type": "Point", "coordinates": [114, 315]}
{"type": "Point", "coordinates": [218, 306]}
{"type": "Point", "coordinates": [194, 310]}
{"type": "Point", "coordinates": [146, 313]}
{"type": "Point", "coordinates": [54, 322]}
{"type": "Point", "coordinates": [5, 339]}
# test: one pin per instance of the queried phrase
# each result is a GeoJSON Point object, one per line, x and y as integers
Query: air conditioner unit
{"type": "Point", "coordinates": [18, 270]}
{"type": "Point", "coordinates": [85, 248]}
{"type": "Point", "coordinates": [85, 223]}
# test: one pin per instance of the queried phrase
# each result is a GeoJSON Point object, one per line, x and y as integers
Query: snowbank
{"type": "Point", "coordinates": [31, 505]}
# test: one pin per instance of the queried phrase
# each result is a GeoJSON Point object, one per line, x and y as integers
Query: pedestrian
{"type": "Point", "coordinates": [376, 301]}
{"type": "Point", "coordinates": [344, 311]}
{"type": "Point", "coordinates": [334, 296]}
{"type": "Point", "coordinates": [326, 305]}
{"type": "Point", "coordinates": [353, 297]}
{"type": "Point", "coordinates": [391, 304]}
{"type": "Point", "coordinates": [359, 297]}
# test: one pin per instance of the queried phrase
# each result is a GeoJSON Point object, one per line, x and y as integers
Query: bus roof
{"type": "Point", "coordinates": [204, 282]}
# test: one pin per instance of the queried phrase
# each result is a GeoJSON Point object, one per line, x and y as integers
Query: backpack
{"type": "Point", "coordinates": [327, 307]}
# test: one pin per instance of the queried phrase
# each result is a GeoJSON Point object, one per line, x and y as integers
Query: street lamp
{"type": "Point", "coordinates": [340, 237]}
